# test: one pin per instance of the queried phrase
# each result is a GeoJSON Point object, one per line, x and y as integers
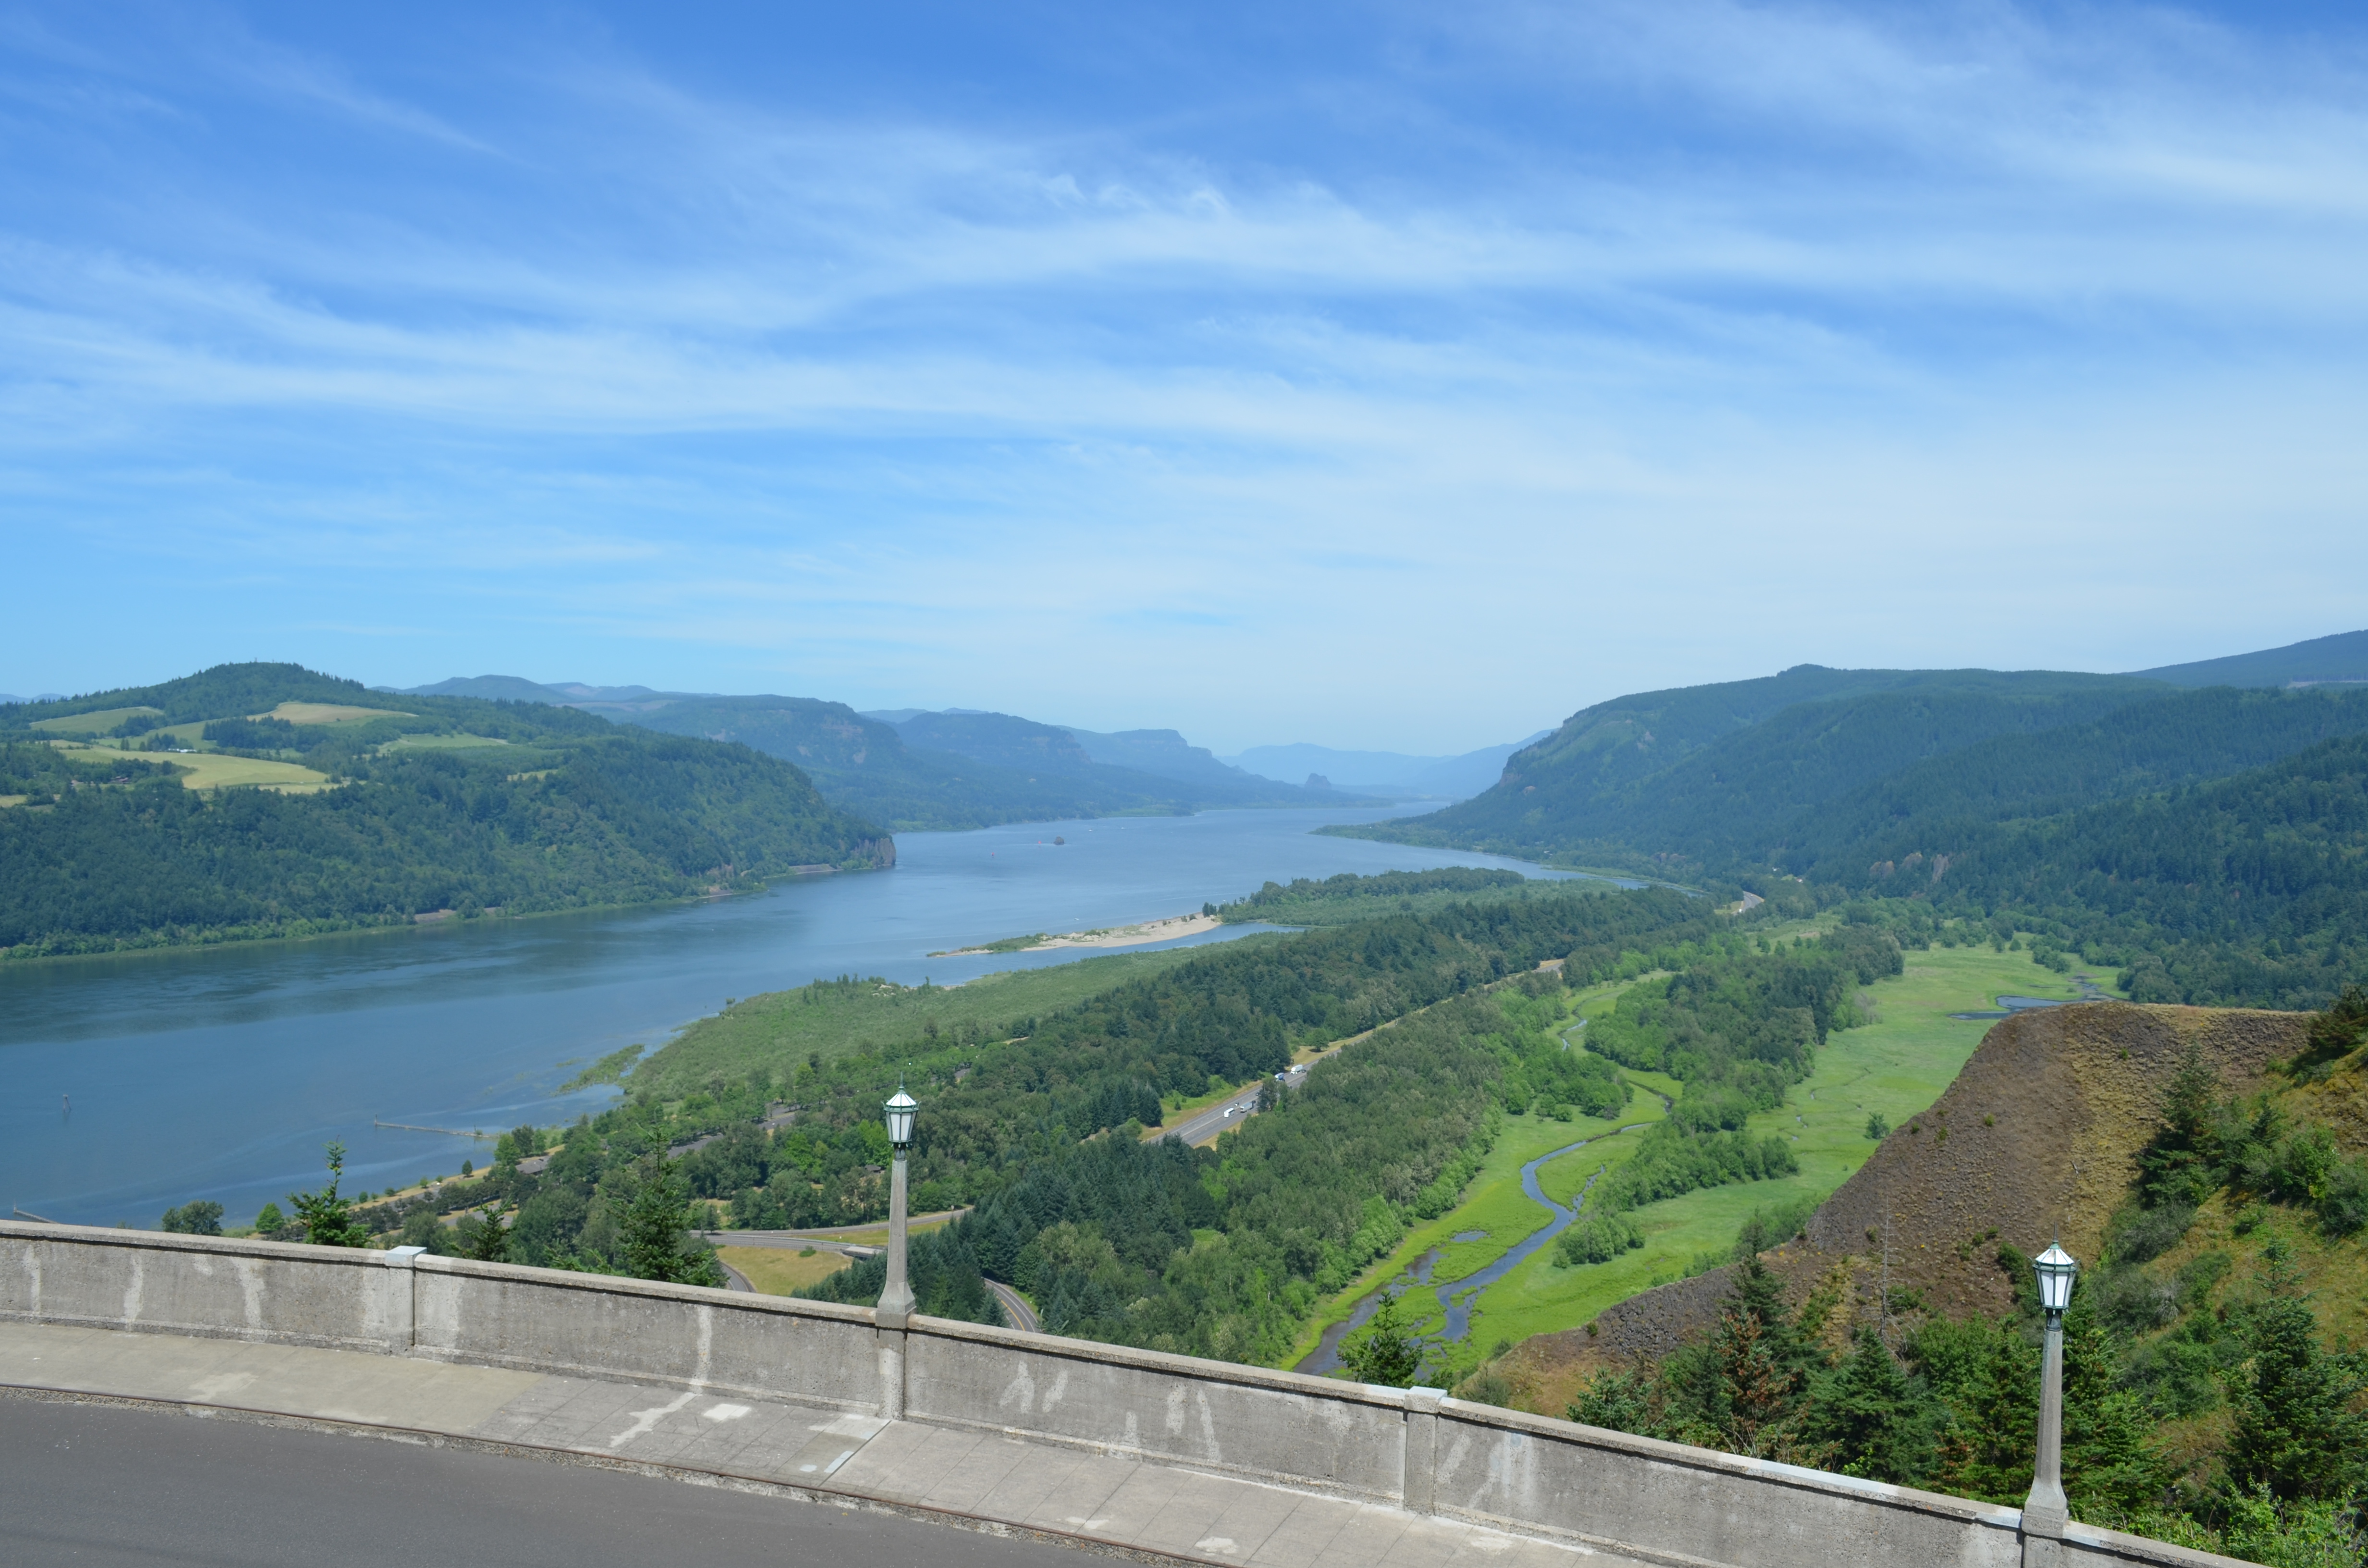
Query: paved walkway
{"type": "Point", "coordinates": [1095, 1499]}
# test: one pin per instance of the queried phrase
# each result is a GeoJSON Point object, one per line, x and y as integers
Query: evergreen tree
{"type": "Point", "coordinates": [484, 1237]}
{"type": "Point", "coordinates": [2177, 1164]}
{"type": "Point", "coordinates": [2111, 1467]}
{"type": "Point", "coordinates": [2298, 1429]}
{"type": "Point", "coordinates": [327, 1218]}
{"type": "Point", "coordinates": [1873, 1418]}
{"type": "Point", "coordinates": [1987, 1374]}
{"type": "Point", "coordinates": [1743, 1391]}
{"type": "Point", "coordinates": [1386, 1352]}
{"type": "Point", "coordinates": [2337, 1031]}
{"type": "Point", "coordinates": [1618, 1402]}
{"type": "Point", "coordinates": [655, 1240]}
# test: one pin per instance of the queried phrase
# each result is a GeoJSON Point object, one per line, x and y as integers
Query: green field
{"type": "Point", "coordinates": [440, 742]}
{"type": "Point", "coordinates": [780, 1030]}
{"type": "Point", "coordinates": [89, 723]}
{"type": "Point", "coordinates": [1896, 1065]}
{"type": "Point", "coordinates": [215, 770]}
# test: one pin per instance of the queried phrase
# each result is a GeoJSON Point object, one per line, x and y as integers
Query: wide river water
{"type": "Point", "coordinates": [129, 1084]}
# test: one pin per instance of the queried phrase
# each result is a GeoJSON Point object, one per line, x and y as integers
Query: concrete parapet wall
{"type": "Point", "coordinates": [1413, 1449]}
{"type": "Point", "coordinates": [1337, 1436]}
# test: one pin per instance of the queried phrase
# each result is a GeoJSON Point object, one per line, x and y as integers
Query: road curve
{"type": "Point", "coordinates": [107, 1487]}
{"type": "Point", "coordinates": [1015, 1307]}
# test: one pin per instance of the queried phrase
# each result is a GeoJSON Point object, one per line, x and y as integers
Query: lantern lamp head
{"type": "Point", "coordinates": [901, 1111]}
{"type": "Point", "coordinates": [2055, 1268]}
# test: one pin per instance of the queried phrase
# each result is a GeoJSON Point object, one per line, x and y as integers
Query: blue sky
{"type": "Point", "coordinates": [1393, 376]}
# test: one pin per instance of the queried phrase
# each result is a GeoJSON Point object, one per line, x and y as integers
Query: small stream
{"type": "Point", "coordinates": [1455, 1296]}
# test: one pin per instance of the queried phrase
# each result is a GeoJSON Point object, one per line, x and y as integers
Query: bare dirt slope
{"type": "Point", "coordinates": [2033, 1142]}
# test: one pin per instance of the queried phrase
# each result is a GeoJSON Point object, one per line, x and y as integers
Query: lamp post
{"type": "Point", "coordinates": [896, 1298]}
{"type": "Point", "coordinates": [2044, 1512]}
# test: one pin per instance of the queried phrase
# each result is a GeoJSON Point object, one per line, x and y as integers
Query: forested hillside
{"type": "Point", "coordinates": [1584, 784]}
{"type": "Point", "coordinates": [263, 800]}
{"type": "Point", "coordinates": [2205, 843]}
{"type": "Point", "coordinates": [2246, 891]}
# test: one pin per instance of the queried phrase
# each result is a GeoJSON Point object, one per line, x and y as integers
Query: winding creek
{"type": "Point", "coordinates": [1455, 1296]}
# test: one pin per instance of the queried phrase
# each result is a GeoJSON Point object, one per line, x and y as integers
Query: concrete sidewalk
{"type": "Point", "coordinates": [1101, 1499]}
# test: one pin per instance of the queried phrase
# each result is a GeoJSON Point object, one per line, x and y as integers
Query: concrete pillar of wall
{"type": "Point", "coordinates": [1421, 1473]}
{"type": "Point", "coordinates": [400, 1312]}
{"type": "Point", "coordinates": [889, 1336]}
{"type": "Point", "coordinates": [2042, 1538]}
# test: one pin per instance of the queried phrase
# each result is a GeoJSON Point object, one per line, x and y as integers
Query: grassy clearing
{"type": "Point", "coordinates": [778, 1032]}
{"type": "Point", "coordinates": [1494, 1206]}
{"type": "Point", "coordinates": [89, 723]}
{"type": "Point", "coordinates": [326, 713]}
{"type": "Point", "coordinates": [775, 1271]}
{"type": "Point", "coordinates": [214, 770]}
{"type": "Point", "coordinates": [440, 742]}
{"type": "Point", "coordinates": [1896, 1065]}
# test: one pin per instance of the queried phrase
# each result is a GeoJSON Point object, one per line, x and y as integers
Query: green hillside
{"type": "Point", "coordinates": [2144, 748]}
{"type": "Point", "coordinates": [1631, 772]}
{"type": "Point", "coordinates": [266, 800]}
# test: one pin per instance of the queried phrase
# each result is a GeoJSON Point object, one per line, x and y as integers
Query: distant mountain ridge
{"type": "Point", "coordinates": [2341, 659]}
{"type": "Point", "coordinates": [1387, 772]}
{"type": "Point", "coordinates": [917, 770]}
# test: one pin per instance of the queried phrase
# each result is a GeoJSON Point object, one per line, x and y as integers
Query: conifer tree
{"type": "Point", "coordinates": [327, 1218]}
{"type": "Point", "coordinates": [654, 1238]}
{"type": "Point", "coordinates": [1385, 1352]}
{"type": "Point", "coordinates": [1873, 1418]}
{"type": "Point", "coordinates": [2298, 1429]}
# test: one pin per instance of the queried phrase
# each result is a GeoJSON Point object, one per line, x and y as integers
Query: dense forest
{"type": "Point", "coordinates": [2205, 843]}
{"type": "Point", "coordinates": [443, 803]}
{"type": "Point", "coordinates": [1581, 784]}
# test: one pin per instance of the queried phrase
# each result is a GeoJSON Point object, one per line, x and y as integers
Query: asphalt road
{"type": "Point", "coordinates": [1205, 1125]}
{"type": "Point", "coordinates": [1016, 1310]}
{"type": "Point", "coordinates": [107, 1487]}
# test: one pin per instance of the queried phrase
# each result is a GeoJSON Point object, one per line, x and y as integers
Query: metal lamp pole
{"type": "Point", "coordinates": [897, 1297]}
{"type": "Point", "coordinates": [2044, 1512]}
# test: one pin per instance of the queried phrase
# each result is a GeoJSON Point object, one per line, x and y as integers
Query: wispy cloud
{"type": "Point", "coordinates": [915, 390]}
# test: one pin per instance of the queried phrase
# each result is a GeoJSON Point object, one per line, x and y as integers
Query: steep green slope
{"type": "Point", "coordinates": [438, 804]}
{"type": "Point", "coordinates": [1710, 768]}
{"type": "Point", "coordinates": [2146, 746]}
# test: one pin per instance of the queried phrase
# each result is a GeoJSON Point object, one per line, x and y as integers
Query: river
{"type": "Point", "coordinates": [131, 1084]}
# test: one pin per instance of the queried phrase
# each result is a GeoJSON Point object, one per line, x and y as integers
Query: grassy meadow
{"type": "Point", "coordinates": [776, 1271]}
{"type": "Point", "coordinates": [782, 1029]}
{"type": "Point", "coordinates": [218, 771]}
{"type": "Point", "coordinates": [1896, 1066]}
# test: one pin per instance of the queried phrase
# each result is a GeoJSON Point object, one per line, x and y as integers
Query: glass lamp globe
{"type": "Point", "coordinates": [901, 1111]}
{"type": "Point", "coordinates": [2055, 1268]}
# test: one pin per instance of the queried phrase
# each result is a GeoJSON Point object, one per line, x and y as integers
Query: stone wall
{"type": "Point", "coordinates": [1414, 1448]}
